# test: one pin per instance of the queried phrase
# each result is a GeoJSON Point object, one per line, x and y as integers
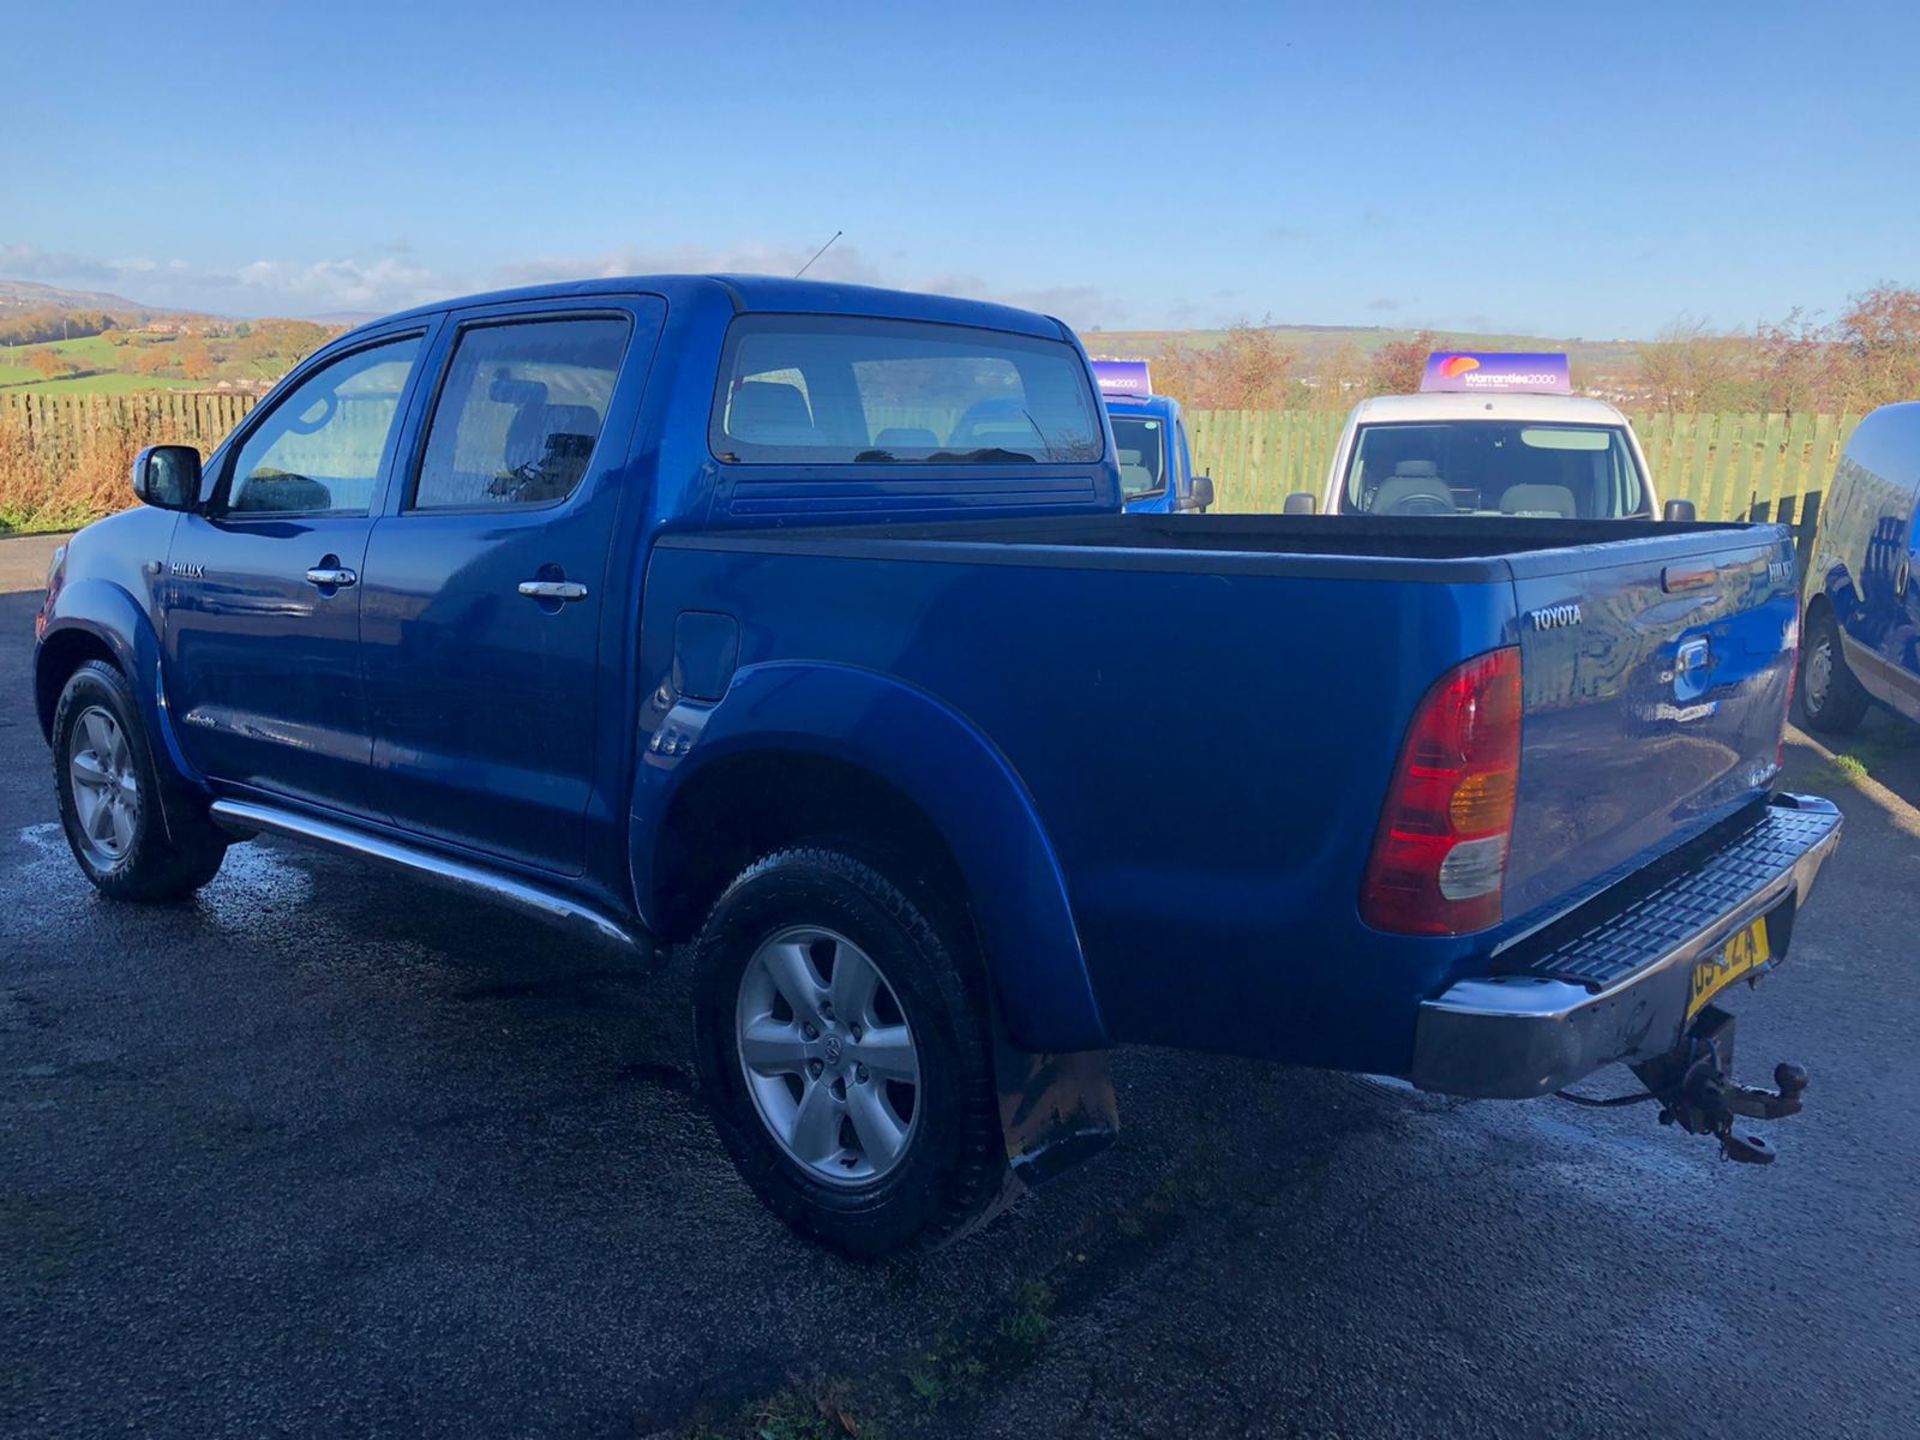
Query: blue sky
{"type": "Point", "coordinates": [1562, 169]}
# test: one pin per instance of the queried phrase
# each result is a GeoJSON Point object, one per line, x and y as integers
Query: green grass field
{"type": "Point", "coordinates": [266, 351]}
{"type": "Point", "coordinates": [103, 368]}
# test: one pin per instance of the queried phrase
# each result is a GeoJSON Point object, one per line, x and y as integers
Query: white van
{"type": "Point", "coordinates": [1490, 451]}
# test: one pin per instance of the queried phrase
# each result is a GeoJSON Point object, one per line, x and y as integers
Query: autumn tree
{"type": "Point", "coordinates": [1396, 367]}
{"type": "Point", "coordinates": [1692, 368]}
{"type": "Point", "coordinates": [1794, 365]}
{"type": "Point", "coordinates": [49, 363]}
{"type": "Point", "coordinates": [50, 322]}
{"type": "Point", "coordinates": [1247, 370]}
{"type": "Point", "coordinates": [1879, 348]}
{"type": "Point", "coordinates": [1339, 379]}
{"type": "Point", "coordinates": [196, 360]}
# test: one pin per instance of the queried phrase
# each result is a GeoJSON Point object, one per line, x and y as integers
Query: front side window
{"type": "Point", "coordinates": [319, 451]}
{"type": "Point", "coordinates": [1140, 445]}
{"type": "Point", "coordinates": [520, 413]}
{"type": "Point", "coordinates": [806, 390]}
{"type": "Point", "coordinates": [1487, 467]}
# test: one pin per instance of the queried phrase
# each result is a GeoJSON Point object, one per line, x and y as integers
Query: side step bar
{"type": "Point", "coordinates": [244, 817]}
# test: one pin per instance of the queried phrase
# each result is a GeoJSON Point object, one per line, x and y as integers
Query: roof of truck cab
{"type": "Point", "coordinates": [1564, 409]}
{"type": "Point", "coordinates": [772, 294]}
{"type": "Point", "coordinates": [1164, 406]}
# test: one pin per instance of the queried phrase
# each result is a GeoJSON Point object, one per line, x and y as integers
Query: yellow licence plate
{"type": "Point", "coordinates": [1742, 955]}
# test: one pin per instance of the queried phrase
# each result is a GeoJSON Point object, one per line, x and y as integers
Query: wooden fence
{"type": "Point", "coordinates": [1732, 466]}
{"type": "Point", "coordinates": [62, 428]}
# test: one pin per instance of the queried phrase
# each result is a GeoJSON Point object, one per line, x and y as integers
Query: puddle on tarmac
{"type": "Point", "coordinates": [41, 872]}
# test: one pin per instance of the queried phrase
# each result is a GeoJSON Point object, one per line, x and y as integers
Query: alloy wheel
{"type": "Point", "coordinates": [828, 1055]}
{"type": "Point", "coordinates": [1819, 674]}
{"type": "Point", "coordinates": [105, 786]}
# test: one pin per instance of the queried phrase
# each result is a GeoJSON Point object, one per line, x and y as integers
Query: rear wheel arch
{"type": "Point", "coordinates": [754, 802]}
{"type": "Point", "coordinates": [883, 748]}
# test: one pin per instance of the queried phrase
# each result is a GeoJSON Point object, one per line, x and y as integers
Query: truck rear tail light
{"type": "Point", "coordinates": [1440, 857]}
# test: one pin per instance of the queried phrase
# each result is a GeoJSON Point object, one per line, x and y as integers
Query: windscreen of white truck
{"type": "Point", "coordinates": [1490, 467]}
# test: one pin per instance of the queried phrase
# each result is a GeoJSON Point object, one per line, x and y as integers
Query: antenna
{"type": "Point", "coordinates": [818, 253]}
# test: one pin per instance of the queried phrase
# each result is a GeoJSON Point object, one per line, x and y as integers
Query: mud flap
{"type": "Point", "coordinates": [1055, 1110]}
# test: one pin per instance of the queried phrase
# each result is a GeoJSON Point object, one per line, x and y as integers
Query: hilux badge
{"type": "Point", "coordinates": [187, 570]}
{"type": "Point", "coordinates": [1555, 617]}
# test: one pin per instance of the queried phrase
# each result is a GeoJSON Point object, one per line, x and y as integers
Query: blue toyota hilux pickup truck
{"type": "Point", "coordinates": [800, 622]}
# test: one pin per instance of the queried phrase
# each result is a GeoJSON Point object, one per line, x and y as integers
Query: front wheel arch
{"type": "Point", "coordinates": [61, 654]}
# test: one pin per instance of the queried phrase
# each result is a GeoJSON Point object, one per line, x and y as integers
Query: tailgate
{"type": "Point", "coordinates": [1655, 679]}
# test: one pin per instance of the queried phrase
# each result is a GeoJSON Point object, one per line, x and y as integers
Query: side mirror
{"type": "Point", "coordinates": [1679, 512]}
{"type": "Point", "coordinates": [1203, 492]}
{"type": "Point", "coordinates": [1301, 502]}
{"type": "Point", "coordinates": [167, 477]}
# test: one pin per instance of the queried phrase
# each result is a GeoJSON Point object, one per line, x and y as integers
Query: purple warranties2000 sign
{"type": "Point", "coordinates": [1460, 373]}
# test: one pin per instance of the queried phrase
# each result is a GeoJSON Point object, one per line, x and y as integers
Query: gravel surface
{"type": "Point", "coordinates": [323, 1153]}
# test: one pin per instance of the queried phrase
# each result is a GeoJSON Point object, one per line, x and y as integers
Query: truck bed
{"type": "Point", "coordinates": [1205, 710]}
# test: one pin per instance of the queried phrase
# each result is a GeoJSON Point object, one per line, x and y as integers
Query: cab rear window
{"type": "Point", "coordinates": [840, 390]}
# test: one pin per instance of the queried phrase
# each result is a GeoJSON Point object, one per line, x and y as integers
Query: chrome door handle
{"type": "Point", "coordinates": [338, 576]}
{"type": "Point", "coordinates": [553, 590]}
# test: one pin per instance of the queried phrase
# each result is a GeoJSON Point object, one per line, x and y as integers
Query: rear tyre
{"type": "Point", "coordinates": [844, 1046]}
{"type": "Point", "coordinates": [110, 797]}
{"type": "Point", "coordinates": [1831, 696]}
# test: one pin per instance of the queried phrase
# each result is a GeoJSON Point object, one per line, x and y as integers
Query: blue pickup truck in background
{"type": "Point", "coordinates": [800, 622]}
{"type": "Point", "coordinates": [1150, 443]}
{"type": "Point", "coordinates": [1863, 611]}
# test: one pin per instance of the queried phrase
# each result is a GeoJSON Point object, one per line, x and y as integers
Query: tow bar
{"type": "Point", "coordinates": [1695, 1087]}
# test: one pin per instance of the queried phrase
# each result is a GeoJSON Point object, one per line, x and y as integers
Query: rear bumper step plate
{"type": "Point", "coordinates": [1619, 983]}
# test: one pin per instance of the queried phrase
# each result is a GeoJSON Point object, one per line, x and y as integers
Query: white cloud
{"type": "Point", "coordinates": [1081, 306]}
{"type": "Point", "coordinates": [1078, 305]}
{"type": "Point", "coordinates": [386, 284]}
{"type": "Point", "coordinates": [24, 262]}
{"type": "Point", "coordinates": [395, 280]}
{"type": "Point", "coordinates": [844, 263]}
{"type": "Point", "coordinates": [265, 287]}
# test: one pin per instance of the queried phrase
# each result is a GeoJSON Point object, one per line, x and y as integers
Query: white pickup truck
{"type": "Point", "coordinates": [1494, 438]}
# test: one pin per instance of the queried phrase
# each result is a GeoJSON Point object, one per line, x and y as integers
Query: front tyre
{"type": "Point", "coordinates": [1833, 699]}
{"type": "Point", "coordinates": [844, 1044]}
{"type": "Point", "coordinates": [110, 796]}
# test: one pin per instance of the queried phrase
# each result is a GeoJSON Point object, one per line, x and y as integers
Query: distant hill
{"type": "Point", "coordinates": [1314, 342]}
{"type": "Point", "coordinates": [32, 295]}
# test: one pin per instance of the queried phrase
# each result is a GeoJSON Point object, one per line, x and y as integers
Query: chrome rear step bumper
{"type": "Point", "coordinates": [1619, 988]}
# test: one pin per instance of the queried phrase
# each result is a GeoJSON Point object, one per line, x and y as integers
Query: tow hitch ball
{"type": "Point", "coordinates": [1695, 1087]}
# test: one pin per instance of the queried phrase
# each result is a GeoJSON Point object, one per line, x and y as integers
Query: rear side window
{"type": "Point", "coordinates": [520, 412]}
{"type": "Point", "coordinates": [834, 390]}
